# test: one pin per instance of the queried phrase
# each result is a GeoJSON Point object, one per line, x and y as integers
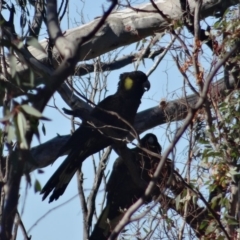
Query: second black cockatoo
{"type": "Point", "coordinates": [122, 192]}
{"type": "Point", "coordinates": [87, 139]}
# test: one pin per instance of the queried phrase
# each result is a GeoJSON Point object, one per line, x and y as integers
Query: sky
{"type": "Point", "coordinates": [65, 222]}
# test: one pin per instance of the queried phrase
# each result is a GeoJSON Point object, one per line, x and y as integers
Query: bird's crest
{"type": "Point", "coordinates": [128, 83]}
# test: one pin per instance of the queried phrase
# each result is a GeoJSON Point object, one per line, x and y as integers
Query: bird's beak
{"type": "Point", "coordinates": [146, 85]}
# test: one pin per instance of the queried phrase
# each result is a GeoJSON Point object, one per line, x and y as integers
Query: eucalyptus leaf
{"type": "Point", "coordinates": [34, 43]}
{"type": "Point", "coordinates": [22, 128]}
{"type": "Point", "coordinates": [31, 111]}
{"type": "Point", "coordinates": [11, 134]}
{"type": "Point", "coordinates": [37, 186]}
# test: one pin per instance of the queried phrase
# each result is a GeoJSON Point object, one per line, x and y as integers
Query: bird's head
{"type": "Point", "coordinates": [150, 142]}
{"type": "Point", "coordinates": [133, 83]}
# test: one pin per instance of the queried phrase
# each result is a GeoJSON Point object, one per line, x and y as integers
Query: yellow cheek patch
{"type": "Point", "coordinates": [128, 83]}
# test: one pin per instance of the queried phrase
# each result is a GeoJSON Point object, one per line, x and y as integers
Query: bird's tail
{"type": "Point", "coordinates": [104, 225]}
{"type": "Point", "coordinates": [59, 180]}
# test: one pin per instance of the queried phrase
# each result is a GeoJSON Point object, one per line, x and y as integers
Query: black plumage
{"type": "Point", "coordinates": [87, 140]}
{"type": "Point", "coordinates": [122, 192]}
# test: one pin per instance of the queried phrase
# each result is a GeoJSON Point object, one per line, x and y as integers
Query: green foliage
{"type": "Point", "coordinates": [34, 43]}
{"type": "Point", "coordinates": [20, 120]}
{"type": "Point", "coordinates": [229, 26]}
{"type": "Point", "coordinates": [37, 186]}
{"type": "Point", "coordinates": [219, 156]}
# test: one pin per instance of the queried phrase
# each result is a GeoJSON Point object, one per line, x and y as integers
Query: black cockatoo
{"type": "Point", "coordinates": [87, 139]}
{"type": "Point", "coordinates": [122, 192]}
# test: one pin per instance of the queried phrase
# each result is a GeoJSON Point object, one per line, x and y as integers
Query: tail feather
{"type": "Point", "coordinates": [59, 180]}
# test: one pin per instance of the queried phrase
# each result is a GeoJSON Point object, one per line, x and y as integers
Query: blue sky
{"type": "Point", "coordinates": [65, 222]}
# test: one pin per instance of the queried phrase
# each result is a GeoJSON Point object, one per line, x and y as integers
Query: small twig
{"type": "Point", "coordinates": [183, 44]}
{"type": "Point", "coordinates": [94, 190]}
{"type": "Point", "coordinates": [144, 51]}
{"type": "Point", "coordinates": [165, 17]}
{"type": "Point", "coordinates": [19, 222]}
{"type": "Point", "coordinates": [83, 203]}
{"type": "Point", "coordinates": [198, 74]}
{"type": "Point", "coordinates": [64, 10]}
{"type": "Point", "coordinates": [160, 57]}
{"type": "Point", "coordinates": [184, 75]}
{"type": "Point", "coordinates": [48, 212]}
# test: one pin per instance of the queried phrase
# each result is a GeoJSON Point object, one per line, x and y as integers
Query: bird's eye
{"type": "Point", "coordinates": [146, 85]}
